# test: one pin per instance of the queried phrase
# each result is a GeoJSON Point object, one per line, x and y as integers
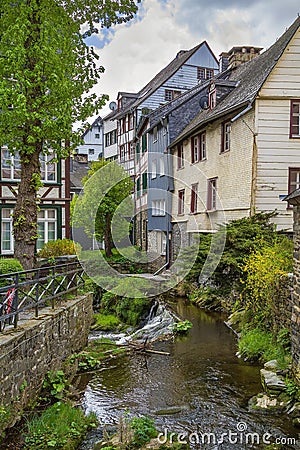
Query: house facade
{"type": "Point", "coordinates": [186, 70]}
{"type": "Point", "coordinates": [241, 154]}
{"type": "Point", "coordinates": [93, 141]}
{"type": "Point", "coordinates": [54, 214]}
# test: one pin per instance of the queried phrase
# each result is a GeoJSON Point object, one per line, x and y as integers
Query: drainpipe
{"type": "Point", "coordinates": [248, 107]}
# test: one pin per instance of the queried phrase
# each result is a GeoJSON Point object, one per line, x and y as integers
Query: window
{"type": "Point", "coordinates": [130, 150]}
{"type": "Point", "coordinates": [138, 187]}
{"type": "Point", "coordinates": [171, 94]}
{"type": "Point", "coordinates": [7, 242]}
{"type": "Point", "coordinates": [209, 74]}
{"type": "Point", "coordinates": [163, 244]}
{"type": "Point", "coordinates": [153, 169]}
{"type": "Point", "coordinates": [10, 165]}
{"type": "Point", "coordinates": [295, 119]}
{"type": "Point", "coordinates": [144, 181]}
{"type": "Point", "coordinates": [46, 227]}
{"type": "Point", "coordinates": [294, 179]}
{"type": "Point", "coordinates": [97, 136]}
{"type": "Point", "coordinates": [212, 194]}
{"type": "Point", "coordinates": [198, 147]}
{"type": "Point", "coordinates": [130, 121]}
{"type": "Point", "coordinates": [181, 201]}
{"type": "Point", "coordinates": [158, 208]}
{"type": "Point", "coordinates": [144, 143]}
{"type": "Point", "coordinates": [123, 125]}
{"type": "Point", "coordinates": [48, 168]}
{"type": "Point", "coordinates": [204, 73]}
{"type": "Point", "coordinates": [212, 98]}
{"type": "Point", "coordinates": [226, 131]}
{"type": "Point", "coordinates": [162, 166]}
{"type": "Point", "coordinates": [91, 151]}
{"type": "Point", "coordinates": [180, 157]}
{"type": "Point", "coordinates": [194, 197]}
{"type": "Point", "coordinates": [110, 138]}
{"type": "Point", "coordinates": [137, 151]}
{"type": "Point", "coordinates": [122, 152]}
{"type": "Point", "coordinates": [195, 149]}
{"type": "Point", "coordinates": [154, 134]}
{"type": "Point", "coordinates": [202, 146]}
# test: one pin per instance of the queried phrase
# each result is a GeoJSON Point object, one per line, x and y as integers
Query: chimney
{"type": "Point", "coordinates": [180, 53]}
{"type": "Point", "coordinates": [223, 61]}
{"type": "Point", "coordinates": [240, 55]}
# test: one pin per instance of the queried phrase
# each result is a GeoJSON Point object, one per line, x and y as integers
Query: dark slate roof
{"type": "Point", "coordinates": [293, 198]}
{"type": "Point", "coordinates": [80, 170]}
{"type": "Point", "coordinates": [249, 76]}
{"type": "Point", "coordinates": [161, 77]}
{"type": "Point", "coordinates": [164, 110]}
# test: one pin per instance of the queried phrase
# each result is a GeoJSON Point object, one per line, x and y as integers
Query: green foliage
{"type": "Point", "coordinates": [182, 327]}
{"type": "Point", "coordinates": [55, 383]}
{"type": "Point", "coordinates": [60, 247]}
{"type": "Point", "coordinates": [266, 271]}
{"type": "Point", "coordinates": [292, 388]}
{"type": "Point", "coordinates": [105, 203]}
{"type": "Point", "coordinates": [143, 431]}
{"type": "Point", "coordinates": [256, 344]}
{"type": "Point", "coordinates": [105, 322]}
{"type": "Point", "coordinates": [131, 310]}
{"type": "Point", "coordinates": [5, 415]}
{"type": "Point", "coordinates": [59, 427]}
{"type": "Point", "coordinates": [243, 236]}
{"type": "Point", "coordinates": [10, 265]}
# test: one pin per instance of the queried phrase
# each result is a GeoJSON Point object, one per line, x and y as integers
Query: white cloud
{"type": "Point", "coordinates": [138, 50]}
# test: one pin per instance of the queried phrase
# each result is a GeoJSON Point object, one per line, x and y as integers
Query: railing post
{"type": "Point", "coordinates": [53, 287]}
{"type": "Point", "coordinates": [37, 294]}
{"type": "Point", "coordinates": [16, 301]}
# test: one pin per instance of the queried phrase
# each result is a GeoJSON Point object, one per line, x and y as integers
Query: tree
{"type": "Point", "coordinates": [47, 73]}
{"type": "Point", "coordinates": [105, 205]}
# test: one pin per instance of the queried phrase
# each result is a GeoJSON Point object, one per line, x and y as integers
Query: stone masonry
{"type": "Point", "coordinates": [37, 346]}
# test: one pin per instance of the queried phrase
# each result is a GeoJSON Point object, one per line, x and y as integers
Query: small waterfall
{"type": "Point", "coordinates": [158, 323]}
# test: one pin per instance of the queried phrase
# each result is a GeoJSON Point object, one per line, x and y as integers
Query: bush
{"type": "Point", "coordinates": [61, 427]}
{"type": "Point", "coordinates": [182, 327]}
{"type": "Point", "coordinates": [259, 345]}
{"type": "Point", "coordinates": [60, 247]}
{"type": "Point", "coordinates": [10, 265]}
{"type": "Point", "coordinates": [143, 431]}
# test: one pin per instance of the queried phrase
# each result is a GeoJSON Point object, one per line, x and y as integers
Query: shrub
{"type": "Point", "coordinates": [61, 427]}
{"type": "Point", "coordinates": [259, 345]}
{"type": "Point", "coordinates": [182, 327]}
{"type": "Point", "coordinates": [60, 247]}
{"type": "Point", "coordinates": [143, 431]}
{"type": "Point", "coordinates": [10, 265]}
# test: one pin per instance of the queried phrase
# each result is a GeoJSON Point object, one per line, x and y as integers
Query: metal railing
{"type": "Point", "coordinates": [33, 289]}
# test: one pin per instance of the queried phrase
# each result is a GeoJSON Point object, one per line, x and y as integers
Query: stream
{"type": "Point", "coordinates": [201, 390]}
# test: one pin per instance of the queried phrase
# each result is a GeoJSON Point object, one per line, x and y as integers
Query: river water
{"type": "Point", "coordinates": [201, 390]}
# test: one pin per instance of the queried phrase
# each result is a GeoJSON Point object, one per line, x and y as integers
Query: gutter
{"type": "Point", "coordinates": [248, 108]}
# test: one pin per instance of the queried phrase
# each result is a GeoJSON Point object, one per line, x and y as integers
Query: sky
{"type": "Point", "coordinates": [133, 53]}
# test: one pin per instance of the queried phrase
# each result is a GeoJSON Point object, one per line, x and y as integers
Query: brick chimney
{"type": "Point", "coordinates": [240, 55]}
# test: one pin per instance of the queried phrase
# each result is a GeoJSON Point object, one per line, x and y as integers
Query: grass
{"type": "Point", "coordinates": [105, 322]}
{"type": "Point", "coordinates": [259, 345]}
{"type": "Point", "coordinates": [61, 426]}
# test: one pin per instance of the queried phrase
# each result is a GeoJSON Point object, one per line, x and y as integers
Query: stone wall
{"type": "Point", "coordinates": [296, 296]}
{"type": "Point", "coordinates": [37, 346]}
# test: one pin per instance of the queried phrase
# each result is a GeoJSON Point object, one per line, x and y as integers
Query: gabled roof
{"type": "Point", "coordinates": [249, 77]}
{"type": "Point", "coordinates": [97, 122]}
{"type": "Point", "coordinates": [167, 72]}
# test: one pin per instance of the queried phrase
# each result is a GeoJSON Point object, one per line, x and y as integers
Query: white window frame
{"type": "Point", "coordinates": [158, 208]}
{"type": "Point", "coordinates": [7, 220]}
{"type": "Point", "coordinates": [162, 171]}
{"type": "Point", "coordinates": [46, 220]}
{"type": "Point", "coordinates": [153, 169]}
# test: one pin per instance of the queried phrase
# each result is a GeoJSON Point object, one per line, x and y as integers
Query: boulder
{"type": "Point", "coordinates": [272, 383]}
{"type": "Point", "coordinates": [267, 405]}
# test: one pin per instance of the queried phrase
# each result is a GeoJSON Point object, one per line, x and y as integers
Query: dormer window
{"type": "Point", "coordinates": [120, 104]}
{"type": "Point", "coordinates": [171, 94]}
{"type": "Point", "coordinates": [212, 96]}
{"type": "Point", "coordinates": [204, 73]}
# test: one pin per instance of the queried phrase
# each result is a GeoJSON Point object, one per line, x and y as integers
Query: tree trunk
{"type": "Point", "coordinates": [107, 236]}
{"type": "Point", "coordinates": [25, 211]}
